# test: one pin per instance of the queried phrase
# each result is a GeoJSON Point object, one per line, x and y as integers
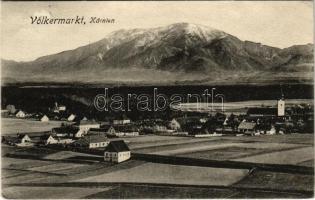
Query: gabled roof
{"type": "Point", "coordinates": [45, 137]}
{"type": "Point", "coordinates": [20, 112]}
{"type": "Point", "coordinates": [125, 128]}
{"type": "Point", "coordinates": [21, 136]}
{"type": "Point", "coordinates": [17, 139]}
{"type": "Point", "coordinates": [66, 129]}
{"type": "Point", "coordinates": [94, 138]}
{"type": "Point", "coordinates": [104, 129]}
{"type": "Point", "coordinates": [117, 146]}
{"type": "Point", "coordinates": [88, 139]}
{"type": "Point", "coordinates": [44, 116]}
{"type": "Point", "coordinates": [247, 125]}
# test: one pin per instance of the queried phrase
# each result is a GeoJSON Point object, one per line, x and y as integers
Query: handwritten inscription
{"type": "Point", "coordinates": [80, 20]}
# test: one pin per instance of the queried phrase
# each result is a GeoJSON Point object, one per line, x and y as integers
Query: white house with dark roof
{"type": "Point", "coordinates": [59, 108]}
{"type": "Point", "coordinates": [117, 151]}
{"type": "Point", "coordinates": [105, 130]}
{"type": "Point", "coordinates": [20, 114]}
{"type": "Point", "coordinates": [20, 140]}
{"type": "Point", "coordinates": [44, 118]}
{"type": "Point", "coordinates": [84, 125]}
{"type": "Point", "coordinates": [48, 139]}
{"type": "Point", "coordinates": [67, 131]}
{"type": "Point", "coordinates": [92, 141]}
{"type": "Point", "coordinates": [247, 127]}
{"type": "Point", "coordinates": [121, 121]}
{"type": "Point", "coordinates": [174, 125]}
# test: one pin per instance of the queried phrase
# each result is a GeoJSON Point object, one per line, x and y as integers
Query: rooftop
{"type": "Point", "coordinates": [247, 125]}
{"type": "Point", "coordinates": [117, 146]}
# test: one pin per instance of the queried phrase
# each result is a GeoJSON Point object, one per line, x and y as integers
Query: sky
{"type": "Point", "coordinates": [275, 23]}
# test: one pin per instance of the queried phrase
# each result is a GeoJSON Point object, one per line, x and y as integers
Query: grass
{"type": "Point", "coordinates": [307, 163]}
{"type": "Point", "coordinates": [48, 192]}
{"type": "Point", "coordinates": [134, 191]}
{"type": "Point", "coordinates": [280, 181]}
{"type": "Point", "coordinates": [171, 174]}
{"type": "Point", "coordinates": [159, 192]}
{"type": "Point", "coordinates": [223, 154]}
{"type": "Point", "coordinates": [305, 139]}
{"type": "Point", "coordinates": [293, 156]}
{"type": "Point", "coordinates": [51, 166]}
{"type": "Point", "coordinates": [12, 126]}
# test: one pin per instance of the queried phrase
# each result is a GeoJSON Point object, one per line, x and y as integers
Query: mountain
{"type": "Point", "coordinates": [177, 53]}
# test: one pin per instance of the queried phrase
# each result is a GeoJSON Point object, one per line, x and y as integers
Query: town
{"type": "Point", "coordinates": [78, 133]}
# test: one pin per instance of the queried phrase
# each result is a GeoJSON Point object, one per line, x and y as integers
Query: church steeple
{"type": "Point", "coordinates": [281, 104]}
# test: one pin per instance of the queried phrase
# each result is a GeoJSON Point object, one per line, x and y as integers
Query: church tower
{"type": "Point", "coordinates": [281, 106]}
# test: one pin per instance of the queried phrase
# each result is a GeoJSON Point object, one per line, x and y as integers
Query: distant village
{"type": "Point", "coordinates": [79, 133]}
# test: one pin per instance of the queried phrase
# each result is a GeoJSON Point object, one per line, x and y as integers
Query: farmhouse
{"type": "Point", "coordinates": [59, 108]}
{"type": "Point", "coordinates": [105, 130]}
{"type": "Point", "coordinates": [174, 125]}
{"type": "Point", "coordinates": [121, 121]}
{"type": "Point", "coordinates": [20, 114]}
{"type": "Point", "coordinates": [117, 151]}
{"type": "Point", "coordinates": [67, 131]}
{"type": "Point", "coordinates": [158, 128]}
{"type": "Point", "coordinates": [44, 118]}
{"type": "Point", "coordinates": [84, 119]}
{"type": "Point", "coordinates": [48, 139]}
{"type": "Point", "coordinates": [20, 140]}
{"type": "Point", "coordinates": [92, 141]}
{"type": "Point", "coordinates": [247, 127]}
{"type": "Point", "coordinates": [126, 130]}
{"type": "Point", "coordinates": [272, 131]}
{"type": "Point", "coordinates": [84, 126]}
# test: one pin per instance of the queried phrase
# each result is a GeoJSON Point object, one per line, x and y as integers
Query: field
{"type": "Point", "coordinates": [172, 174]}
{"type": "Point", "coordinates": [45, 173]}
{"type": "Point", "coordinates": [12, 126]}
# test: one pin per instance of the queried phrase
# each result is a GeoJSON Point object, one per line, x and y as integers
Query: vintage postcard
{"type": "Point", "coordinates": [157, 99]}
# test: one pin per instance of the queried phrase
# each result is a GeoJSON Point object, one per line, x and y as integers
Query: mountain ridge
{"type": "Point", "coordinates": [174, 53]}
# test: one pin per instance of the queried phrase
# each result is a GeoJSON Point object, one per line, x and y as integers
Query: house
{"type": "Point", "coordinates": [67, 131]}
{"type": "Point", "coordinates": [44, 118]}
{"type": "Point", "coordinates": [20, 140]}
{"type": "Point", "coordinates": [48, 139]}
{"type": "Point", "coordinates": [272, 131]}
{"type": "Point", "coordinates": [71, 118]}
{"type": "Point", "coordinates": [91, 141]}
{"type": "Point", "coordinates": [158, 128]}
{"type": "Point", "coordinates": [174, 125]}
{"type": "Point", "coordinates": [247, 127]}
{"type": "Point", "coordinates": [121, 121]}
{"type": "Point", "coordinates": [84, 125]}
{"type": "Point", "coordinates": [105, 130]}
{"type": "Point", "coordinates": [20, 114]}
{"type": "Point", "coordinates": [59, 108]}
{"type": "Point", "coordinates": [152, 126]}
{"type": "Point", "coordinates": [117, 151]}
{"type": "Point", "coordinates": [126, 131]}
